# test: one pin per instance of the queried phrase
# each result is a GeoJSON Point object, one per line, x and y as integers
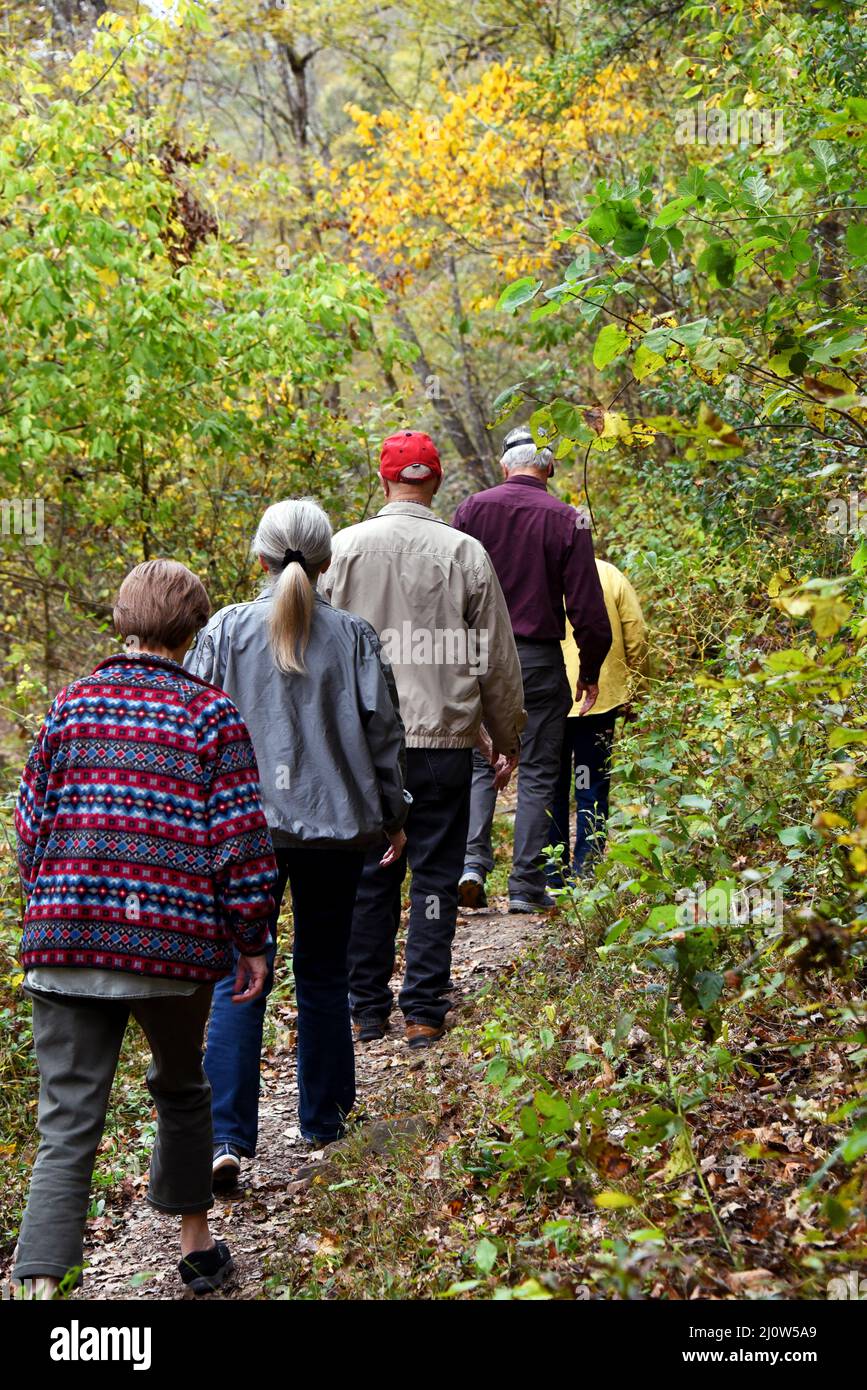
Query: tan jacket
{"type": "Point", "coordinates": [625, 668]}
{"type": "Point", "coordinates": [432, 596]}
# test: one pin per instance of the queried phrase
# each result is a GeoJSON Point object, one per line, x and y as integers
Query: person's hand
{"type": "Point", "coordinates": [396, 846]}
{"type": "Point", "coordinates": [587, 695]}
{"type": "Point", "coordinates": [503, 769]}
{"type": "Point", "coordinates": [250, 978]}
{"type": "Point", "coordinates": [485, 746]}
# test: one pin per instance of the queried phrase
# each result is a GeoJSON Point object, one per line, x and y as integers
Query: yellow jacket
{"type": "Point", "coordinates": [626, 666]}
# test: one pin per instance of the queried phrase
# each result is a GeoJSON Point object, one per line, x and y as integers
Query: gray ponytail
{"type": "Point", "coordinates": [300, 526]}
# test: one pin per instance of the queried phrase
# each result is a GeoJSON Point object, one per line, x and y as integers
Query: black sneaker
{"type": "Point", "coordinates": [204, 1271]}
{"type": "Point", "coordinates": [370, 1029]}
{"type": "Point", "coordinates": [227, 1166]}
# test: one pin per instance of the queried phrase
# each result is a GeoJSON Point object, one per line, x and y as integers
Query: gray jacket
{"type": "Point", "coordinates": [329, 743]}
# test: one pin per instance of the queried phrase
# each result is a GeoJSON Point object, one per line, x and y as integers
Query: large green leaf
{"type": "Point", "coordinates": [611, 343]}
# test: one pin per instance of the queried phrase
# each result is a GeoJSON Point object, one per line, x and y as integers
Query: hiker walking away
{"type": "Point", "coordinates": [433, 597]}
{"type": "Point", "coordinates": [585, 761]}
{"type": "Point", "coordinates": [145, 857]}
{"type": "Point", "coordinates": [329, 743]}
{"type": "Point", "coordinates": [543, 555]}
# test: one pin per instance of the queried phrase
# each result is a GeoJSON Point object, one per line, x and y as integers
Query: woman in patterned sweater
{"type": "Point", "coordinates": [145, 858]}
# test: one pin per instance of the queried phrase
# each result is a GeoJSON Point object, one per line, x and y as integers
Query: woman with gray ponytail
{"type": "Point", "coordinates": [290, 569]}
{"type": "Point", "coordinates": [322, 713]}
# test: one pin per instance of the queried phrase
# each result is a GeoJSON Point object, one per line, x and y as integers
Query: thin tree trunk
{"type": "Point", "coordinates": [481, 434]}
{"type": "Point", "coordinates": [453, 424]}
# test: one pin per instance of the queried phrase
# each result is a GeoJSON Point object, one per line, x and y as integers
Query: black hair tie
{"type": "Point", "coordinates": [296, 557]}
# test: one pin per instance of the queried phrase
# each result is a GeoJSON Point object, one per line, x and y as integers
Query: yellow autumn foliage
{"type": "Point", "coordinates": [495, 172]}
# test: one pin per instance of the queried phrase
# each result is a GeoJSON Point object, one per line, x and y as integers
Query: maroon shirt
{"type": "Point", "coordinates": [543, 558]}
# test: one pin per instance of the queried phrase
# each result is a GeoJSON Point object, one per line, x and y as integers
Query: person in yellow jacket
{"type": "Point", "coordinates": [587, 745]}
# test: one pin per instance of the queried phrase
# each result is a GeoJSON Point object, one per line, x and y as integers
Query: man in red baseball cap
{"type": "Point", "coordinates": [432, 596]}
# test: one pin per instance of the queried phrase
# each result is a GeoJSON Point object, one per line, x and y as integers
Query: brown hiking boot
{"type": "Point", "coordinates": [471, 890]}
{"type": "Point", "coordinates": [423, 1034]}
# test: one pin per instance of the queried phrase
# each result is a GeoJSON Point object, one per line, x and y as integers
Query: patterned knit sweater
{"type": "Point", "coordinates": [141, 838]}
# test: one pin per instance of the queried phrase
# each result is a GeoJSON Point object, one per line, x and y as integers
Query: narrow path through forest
{"type": "Point", "coordinates": [134, 1258]}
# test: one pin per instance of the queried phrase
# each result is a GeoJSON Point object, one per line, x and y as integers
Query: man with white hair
{"type": "Point", "coordinates": [542, 554]}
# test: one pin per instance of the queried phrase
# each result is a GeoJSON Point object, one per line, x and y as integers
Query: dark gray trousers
{"type": "Point", "coordinates": [547, 700]}
{"type": "Point", "coordinates": [78, 1043]}
{"type": "Point", "coordinates": [438, 780]}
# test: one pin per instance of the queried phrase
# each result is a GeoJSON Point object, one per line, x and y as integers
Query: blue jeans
{"type": "Point", "coordinates": [323, 883]}
{"type": "Point", "coordinates": [586, 763]}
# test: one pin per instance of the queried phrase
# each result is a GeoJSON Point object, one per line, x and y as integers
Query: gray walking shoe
{"type": "Point", "coordinates": [532, 905]}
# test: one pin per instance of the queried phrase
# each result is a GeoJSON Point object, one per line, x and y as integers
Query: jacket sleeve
{"type": "Point", "coordinates": [585, 603]}
{"type": "Point", "coordinates": [203, 658]}
{"type": "Point", "coordinates": [499, 672]}
{"type": "Point", "coordinates": [30, 805]}
{"type": "Point", "coordinates": [380, 713]}
{"type": "Point", "coordinates": [632, 622]}
{"type": "Point", "coordinates": [243, 867]}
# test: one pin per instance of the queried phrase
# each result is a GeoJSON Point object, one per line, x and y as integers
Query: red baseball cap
{"type": "Point", "coordinates": [409, 456]}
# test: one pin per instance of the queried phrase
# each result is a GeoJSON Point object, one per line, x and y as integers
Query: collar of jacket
{"type": "Point", "coordinates": [150, 659]}
{"type": "Point", "coordinates": [267, 594]}
{"type": "Point", "coordinates": [526, 479]}
{"type": "Point", "coordinates": [410, 509]}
